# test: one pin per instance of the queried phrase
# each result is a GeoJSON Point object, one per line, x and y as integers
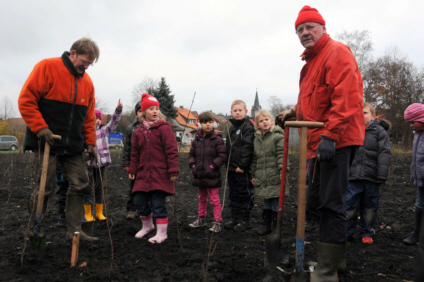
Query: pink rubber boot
{"type": "Point", "coordinates": [161, 234]}
{"type": "Point", "coordinates": [147, 226]}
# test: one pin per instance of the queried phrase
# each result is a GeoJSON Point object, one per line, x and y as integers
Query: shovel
{"type": "Point", "coordinates": [272, 248]}
{"type": "Point", "coordinates": [37, 241]}
{"type": "Point", "coordinates": [300, 231]}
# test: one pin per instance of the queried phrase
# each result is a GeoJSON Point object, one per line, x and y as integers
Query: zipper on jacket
{"type": "Point", "coordinates": [71, 116]}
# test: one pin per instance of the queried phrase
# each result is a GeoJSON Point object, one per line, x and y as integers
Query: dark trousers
{"type": "Point", "coordinates": [148, 202]}
{"type": "Point", "coordinates": [97, 181]}
{"type": "Point", "coordinates": [331, 180]}
{"type": "Point", "coordinates": [130, 202]}
{"type": "Point", "coordinates": [312, 195]}
{"type": "Point", "coordinates": [363, 198]}
{"type": "Point", "coordinates": [241, 190]}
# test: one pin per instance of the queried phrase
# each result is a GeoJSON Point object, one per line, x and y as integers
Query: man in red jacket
{"type": "Point", "coordinates": [330, 91]}
{"type": "Point", "coordinates": [58, 98]}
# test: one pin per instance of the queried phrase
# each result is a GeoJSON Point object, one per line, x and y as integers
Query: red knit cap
{"type": "Point", "coordinates": [147, 101]}
{"type": "Point", "coordinates": [308, 14]}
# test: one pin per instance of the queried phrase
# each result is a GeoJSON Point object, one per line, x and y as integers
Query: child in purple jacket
{"type": "Point", "coordinates": [97, 168]}
{"type": "Point", "coordinates": [207, 154]}
{"type": "Point", "coordinates": [414, 114]}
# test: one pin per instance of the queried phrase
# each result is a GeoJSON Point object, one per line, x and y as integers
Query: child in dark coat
{"type": "Point", "coordinates": [240, 151]}
{"type": "Point", "coordinates": [369, 170]}
{"type": "Point", "coordinates": [207, 154]}
{"type": "Point", "coordinates": [414, 114]}
{"type": "Point", "coordinates": [126, 157]}
{"type": "Point", "coordinates": [154, 167]}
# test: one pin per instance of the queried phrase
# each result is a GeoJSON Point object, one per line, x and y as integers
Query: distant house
{"type": "Point", "coordinates": [186, 123]}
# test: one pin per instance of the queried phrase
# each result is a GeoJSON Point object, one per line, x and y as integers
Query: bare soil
{"type": "Point", "coordinates": [188, 253]}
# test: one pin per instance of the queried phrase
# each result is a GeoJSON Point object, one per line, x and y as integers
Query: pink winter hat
{"type": "Point", "coordinates": [414, 112]}
{"type": "Point", "coordinates": [98, 114]}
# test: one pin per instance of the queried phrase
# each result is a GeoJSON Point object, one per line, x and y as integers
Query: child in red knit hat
{"type": "Point", "coordinates": [154, 167]}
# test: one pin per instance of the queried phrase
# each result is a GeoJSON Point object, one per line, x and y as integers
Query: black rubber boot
{"type": "Point", "coordinates": [244, 223]}
{"type": "Point", "coordinates": [266, 227]}
{"type": "Point", "coordinates": [414, 237]}
{"type": "Point", "coordinates": [329, 258]}
{"type": "Point", "coordinates": [235, 218]}
{"type": "Point", "coordinates": [74, 213]}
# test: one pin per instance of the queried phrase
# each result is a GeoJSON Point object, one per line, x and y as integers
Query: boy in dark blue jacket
{"type": "Point", "coordinates": [369, 170]}
{"type": "Point", "coordinates": [240, 152]}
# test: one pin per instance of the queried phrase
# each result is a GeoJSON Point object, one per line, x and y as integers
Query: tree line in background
{"type": "Point", "coordinates": [391, 83]}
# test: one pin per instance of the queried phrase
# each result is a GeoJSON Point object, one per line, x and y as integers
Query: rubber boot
{"type": "Point", "coordinates": [88, 216]}
{"type": "Point", "coordinates": [235, 218]}
{"type": "Point", "coordinates": [74, 213]}
{"type": "Point", "coordinates": [244, 223]}
{"type": "Point", "coordinates": [329, 258]}
{"type": "Point", "coordinates": [266, 228]}
{"type": "Point", "coordinates": [99, 212]}
{"type": "Point", "coordinates": [148, 226]}
{"type": "Point", "coordinates": [162, 231]}
{"type": "Point", "coordinates": [413, 238]}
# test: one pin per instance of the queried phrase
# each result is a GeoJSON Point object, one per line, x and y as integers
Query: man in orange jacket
{"type": "Point", "coordinates": [331, 92]}
{"type": "Point", "coordinates": [58, 98]}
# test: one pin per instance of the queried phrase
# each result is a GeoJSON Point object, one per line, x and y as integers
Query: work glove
{"type": "Point", "coordinates": [92, 155]}
{"type": "Point", "coordinates": [47, 135]}
{"type": "Point", "coordinates": [326, 149]}
{"type": "Point", "coordinates": [284, 115]}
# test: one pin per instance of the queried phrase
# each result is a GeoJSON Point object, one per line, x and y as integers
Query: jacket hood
{"type": "Point", "coordinates": [212, 134]}
{"type": "Point", "coordinates": [385, 124]}
{"type": "Point", "coordinates": [272, 129]}
{"type": "Point", "coordinates": [69, 65]}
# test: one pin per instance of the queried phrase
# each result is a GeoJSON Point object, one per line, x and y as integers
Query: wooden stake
{"type": "Point", "coordinates": [75, 248]}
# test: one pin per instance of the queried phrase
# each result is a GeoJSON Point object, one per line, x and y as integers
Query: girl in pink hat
{"type": "Point", "coordinates": [414, 114]}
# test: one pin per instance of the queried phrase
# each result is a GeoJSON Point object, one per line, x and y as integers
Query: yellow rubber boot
{"type": "Point", "coordinates": [88, 216]}
{"type": "Point", "coordinates": [99, 212]}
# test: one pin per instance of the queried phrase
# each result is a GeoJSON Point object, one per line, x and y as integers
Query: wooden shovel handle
{"type": "Point", "coordinates": [43, 179]}
{"type": "Point", "coordinates": [308, 124]}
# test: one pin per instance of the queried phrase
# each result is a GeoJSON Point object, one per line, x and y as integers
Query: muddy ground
{"type": "Point", "coordinates": [229, 256]}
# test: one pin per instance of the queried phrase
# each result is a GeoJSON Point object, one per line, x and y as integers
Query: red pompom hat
{"type": "Point", "coordinates": [308, 14]}
{"type": "Point", "coordinates": [147, 101]}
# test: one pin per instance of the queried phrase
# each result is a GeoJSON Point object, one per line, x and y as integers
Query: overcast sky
{"type": "Point", "coordinates": [223, 50]}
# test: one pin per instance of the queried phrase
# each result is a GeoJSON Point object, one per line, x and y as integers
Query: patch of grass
{"type": "Point", "coordinates": [9, 152]}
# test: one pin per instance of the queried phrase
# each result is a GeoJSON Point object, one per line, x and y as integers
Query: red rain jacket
{"type": "Point", "coordinates": [154, 158]}
{"type": "Point", "coordinates": [331, 91]}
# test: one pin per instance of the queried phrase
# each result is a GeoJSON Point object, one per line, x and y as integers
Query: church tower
{"type": "Point", "coordinates": [256, 106]}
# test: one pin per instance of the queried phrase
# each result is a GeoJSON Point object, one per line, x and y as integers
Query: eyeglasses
{"type": "Point", "coordinates": [300, 30]}
{"type": "Point", "coordinates": [85, 63]}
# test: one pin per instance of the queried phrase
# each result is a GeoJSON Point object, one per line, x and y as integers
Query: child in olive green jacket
{"type": "Point", "coordinates": [266, 166]}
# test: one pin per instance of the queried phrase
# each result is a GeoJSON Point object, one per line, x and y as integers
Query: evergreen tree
{"type": "Point", "coordinates": [166, 100]}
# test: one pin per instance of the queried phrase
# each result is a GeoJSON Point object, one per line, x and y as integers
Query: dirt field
{"type": "Point", "coordinates": [185, 256]}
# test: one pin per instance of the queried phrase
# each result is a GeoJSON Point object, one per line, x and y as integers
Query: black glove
{"type": "Point", "coordinates": [92, 155]}
{"type": "Point", "coordinates": [326, 149]}
{"type": "Point", "coordinates": [47, 135]}
{"type": "Point", "coordinates": [284, 115]}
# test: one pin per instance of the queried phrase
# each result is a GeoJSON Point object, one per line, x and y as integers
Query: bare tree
{"type": "Point", "coordinates": [6, 108]}
{"type": "Point", "coordinates": [276, 105]}
{"type": "Point", "coordinates": [396, 83]}
{"type": "Point", "coordinates": [147, 85]}
{"type": "Point", "coordinates": [359, 42]}
{"type": "Point", "coordinates": [101, 105]}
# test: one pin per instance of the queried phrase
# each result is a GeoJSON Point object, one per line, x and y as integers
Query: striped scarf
{"type": "Point", "coordinates": [149, 124]}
